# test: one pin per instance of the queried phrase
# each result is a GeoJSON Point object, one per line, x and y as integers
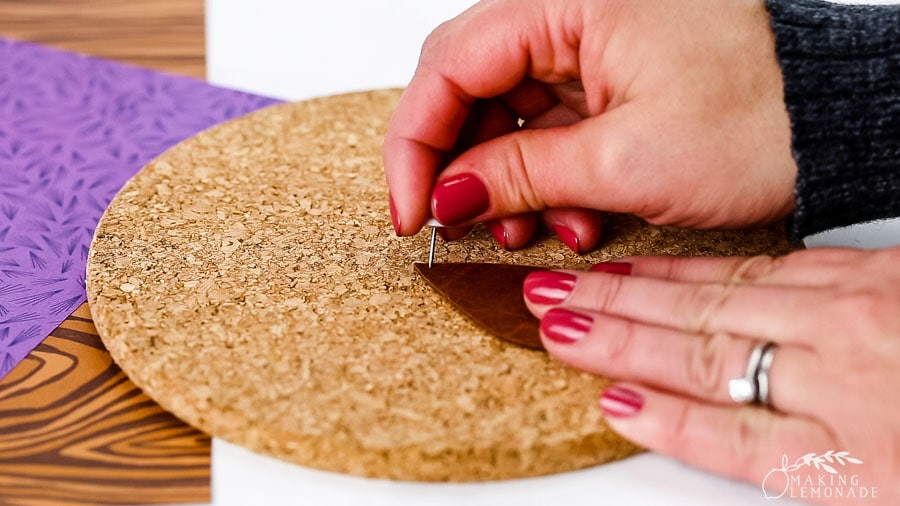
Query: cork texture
{"type": "Point", "coordinates": [250, 282]}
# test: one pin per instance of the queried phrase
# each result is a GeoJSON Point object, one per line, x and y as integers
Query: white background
{"type": "Point", "coordinates": [298, 49]}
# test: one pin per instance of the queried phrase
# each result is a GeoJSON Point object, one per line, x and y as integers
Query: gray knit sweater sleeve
{"type": "Point", "coordinates": [841, 66]}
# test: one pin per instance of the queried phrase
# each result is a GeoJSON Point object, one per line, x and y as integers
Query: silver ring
{"type": "Point", "coordinates": [753, 386]}
{"type": "Point", "coordinates": [762, 376]}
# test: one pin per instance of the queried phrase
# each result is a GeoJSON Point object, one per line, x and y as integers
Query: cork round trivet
{"type": "Point", "coordinates": [250, 282]}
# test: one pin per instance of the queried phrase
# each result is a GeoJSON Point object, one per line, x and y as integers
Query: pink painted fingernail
{"type": "Point", "coordinates": [395, 218]}
{"type": "Point", "coordinates": [459, 199]}
{"type": "Point", "coordinates": [548, 287]}
{"type": "Point", "coordinates": [568, 237]}
{"type": "Point", "coordinates": [622, 268]}
{"type": "Point", "coordinates": [496, 229]}
{"type": "Point", "coordinates": [564, 326]}
{"type": "Point", "coordinates": [620, 402]}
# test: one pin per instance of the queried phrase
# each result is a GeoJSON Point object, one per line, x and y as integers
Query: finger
{"type": "Point", "coordinates": [778, 313]}
{"type": "Point", "coordinates": [472, 57]}
{"type": "Point", "coordinates": [558, 115]}
{"type": "Point", "coordinates": [414, 148]}
{"type": "Point", "coordinates": [576, 166]}
{"type": "Point", "coordinates": [745, 443]}
{"type": "Point", "coordinates": [487, 119]}
{"type": "Point", "coordinates": [572, 95]}
{"type": "Point", "coordinates": [737, 270]}
{"type": "Point", "coordinates": [529, 99]}
{"type": "Point", "coordinates": [450, 234]}
{"type": "Point", "coordinates": [579, 229]}
{"type": "Point", "coordinates": [543, 106]}
{"type": "Point", "coordinates": [801, 268]}
{"type": "Point", "coordinates": [514, 232]}
{"type": "Point", "coordinates": [696, 365]}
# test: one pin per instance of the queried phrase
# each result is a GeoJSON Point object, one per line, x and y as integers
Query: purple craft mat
{"type": "Point", "coordinates": [73, 130]}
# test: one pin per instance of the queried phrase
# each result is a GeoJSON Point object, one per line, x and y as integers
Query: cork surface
{"type": "Point", "coordinates": [250, 282]}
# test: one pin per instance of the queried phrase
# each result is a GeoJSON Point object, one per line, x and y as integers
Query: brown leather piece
{"type": "Point", "coordinates": [490, 295]}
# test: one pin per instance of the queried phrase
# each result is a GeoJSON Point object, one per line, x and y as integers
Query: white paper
{"type": "Point", "coordinates": [301, 49]}
{"type": "Point", "coordinates": [241, 477]}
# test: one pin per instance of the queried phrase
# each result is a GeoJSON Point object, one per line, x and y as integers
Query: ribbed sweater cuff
{"type": "Point", "coordinates": [841, 66]}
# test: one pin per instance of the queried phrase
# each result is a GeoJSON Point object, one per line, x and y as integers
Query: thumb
{"type": "Point", "coordinates": [532, 170]}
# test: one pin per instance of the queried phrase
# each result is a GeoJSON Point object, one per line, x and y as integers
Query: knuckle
{"type": "Point", "coordinates": [699, 303]}
{"type": "Point", "coordinates": [753, 268]}
{"type": "Point", "coordinates": [744, 440]}
{"type": "Point", "coordinates": [617, 346]}
{"type": "Point", "coordinates": [523, 193]}
{"type": "Point", "coordinates": [705, 369]}
{"type": "Point", "coordinates": [434, 39]}
{"type": "Point", "coordinates": [619, 156]}
{"type": "Point", "coordinates": [674, 268]}
{"type": "Point", "coordinates": [870, 306]}
{"type": "Point", "coordinates": [679, 430]}
{"type": "Point", "coordinates": [607, 294]}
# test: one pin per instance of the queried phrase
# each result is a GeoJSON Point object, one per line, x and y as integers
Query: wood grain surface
{"type": "Point", "coordinates": [165, 35]}
{"type": "Point", "coordinates": [75, 430]}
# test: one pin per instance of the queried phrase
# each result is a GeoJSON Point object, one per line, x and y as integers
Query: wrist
{"type": "Point", "coordinates": [841, 68]}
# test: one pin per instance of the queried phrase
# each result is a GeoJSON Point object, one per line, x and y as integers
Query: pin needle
{"type": "Point", "coordinates": [431, 251]}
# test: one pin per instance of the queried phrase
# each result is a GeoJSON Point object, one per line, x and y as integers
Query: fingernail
{"type": "Point", "coordinates": [395, 219]}
{"type": "Point", "coordinates": [623, 268]}
{"type": "Point", "coordinates": [459, 199]}
{"type": "Point", "coordinates": [620, 402]}
{"type": "Point", "coordinates": [548, 287]}
{"type": "Point", "coordinates": [568, 237]}
{"type": "Point", "coordinates": [499, 233]}
{"type": "Point", "coordinates": [453, 234]}
{"type": "Point", "coordinates": [564, 326]}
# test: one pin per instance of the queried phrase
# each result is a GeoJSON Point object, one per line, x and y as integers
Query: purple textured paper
{"type": "Point", "coordinates": [73, 130]}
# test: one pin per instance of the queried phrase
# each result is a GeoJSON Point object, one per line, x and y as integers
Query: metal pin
{"type": "Point", "coordinates": [434, 224]}
{"type": "Point", "coordinates": [431, 250]}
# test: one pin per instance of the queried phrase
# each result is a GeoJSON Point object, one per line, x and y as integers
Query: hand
{"type": "Point", "coordinates": [676, 330]}
{"type": "Point", "coordinates": [672, 110]}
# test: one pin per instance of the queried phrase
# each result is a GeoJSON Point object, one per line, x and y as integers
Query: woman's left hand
{"type": "Point", "coordinates": [676, 330]}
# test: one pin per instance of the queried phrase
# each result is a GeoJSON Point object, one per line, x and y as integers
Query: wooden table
{"type": "Point", "coordinates": [164, 35]}
{"type": "Point", "coordinates": [73, 428]}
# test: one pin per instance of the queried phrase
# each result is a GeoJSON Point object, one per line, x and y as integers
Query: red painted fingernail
{"type": "Point", "coordinates": [623, 268]}
{"type": "Point", "coordinates": [459, 199]}
{"type": "Point", "coordinates": [453, 233]}
{"type": "Point", "coordinates": [395, 218]}
{"type": "Point", "coordinates": [620, 402]}
{"type": "Point", "coordinates": [499, 233]}
{"type": "Point", "coordinates": [568, 237]}
{"type": "Point", "coordinates": [564, 326]}
{"type": "Point", "coordinates": [548, 287]}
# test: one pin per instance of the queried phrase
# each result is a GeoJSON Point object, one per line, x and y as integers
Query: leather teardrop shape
{"type": "Point", "coordinates": [490, 295]}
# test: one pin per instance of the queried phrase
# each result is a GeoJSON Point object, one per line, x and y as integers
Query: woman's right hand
{"type": "Point", "coordinates": [671, 110]}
